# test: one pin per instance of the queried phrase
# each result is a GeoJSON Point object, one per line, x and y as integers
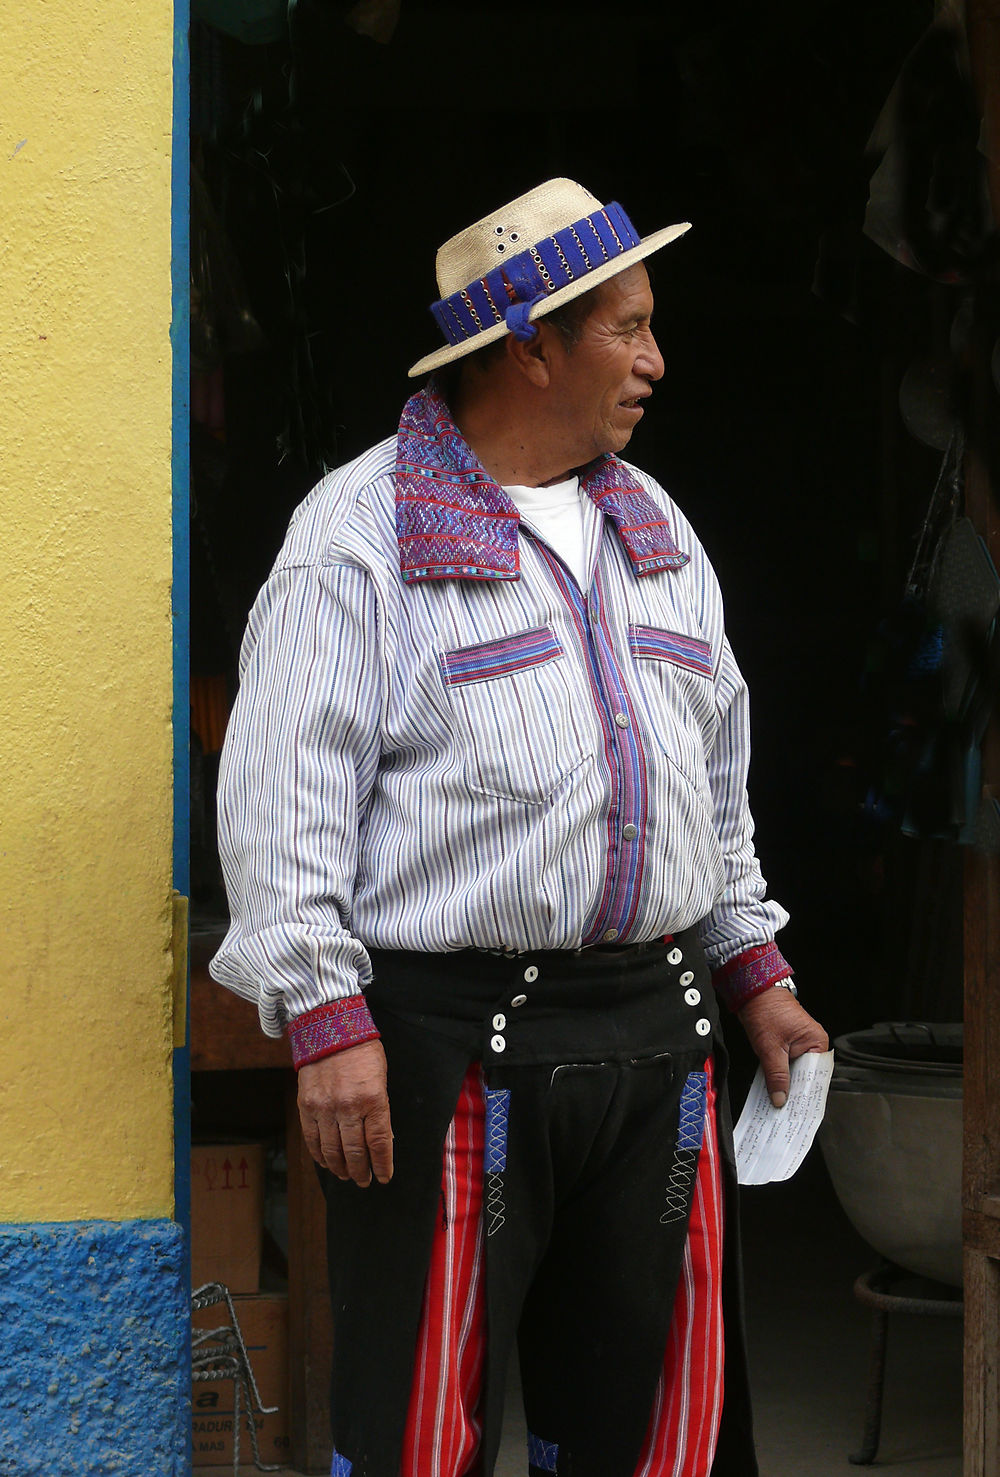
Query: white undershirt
{"type": "Point", "coordinates": [563, 518]}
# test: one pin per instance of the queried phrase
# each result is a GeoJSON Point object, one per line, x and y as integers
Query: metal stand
{"type": "Point", "coordinates": [871, 1288]}
{"type": "Point", "coordinates": [221, 1354]}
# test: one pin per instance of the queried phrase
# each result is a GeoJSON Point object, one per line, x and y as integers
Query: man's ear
{"type": "Point", "coordinates": [533, 357]}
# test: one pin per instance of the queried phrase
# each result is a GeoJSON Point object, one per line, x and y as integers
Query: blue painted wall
{"type": "Point", "coordinates": [93, 1375]}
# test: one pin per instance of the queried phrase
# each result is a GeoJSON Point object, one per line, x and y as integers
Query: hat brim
{"type": "Point", "coordinates": [646, 247]}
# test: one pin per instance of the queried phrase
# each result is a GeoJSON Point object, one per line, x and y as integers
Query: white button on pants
{"type": "Point", "coordinates": [692, 997]}
{"type": "Point", "coordinates": [531, 974]}
{"type": "Point", "coordinates": [675, 956]}
{"type": "Point", "coordinates": [499, 1021]}
{"type": "Point", "coordinates": [687, 978]}
{"type": "Point", "coordinates": [703, 1026]}
{"type": "Point", "coordinates": [498, 1043]}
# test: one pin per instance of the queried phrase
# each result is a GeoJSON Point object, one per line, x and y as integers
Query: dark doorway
{"type": "Point", "coordinates": [813, 366]}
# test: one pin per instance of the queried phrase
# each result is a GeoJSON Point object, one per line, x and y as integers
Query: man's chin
{"type": "Point", "coordinates": [620, 440]}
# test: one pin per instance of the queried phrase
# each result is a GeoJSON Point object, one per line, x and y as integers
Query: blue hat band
{"type": "Point", "coordinates": [532, 275]}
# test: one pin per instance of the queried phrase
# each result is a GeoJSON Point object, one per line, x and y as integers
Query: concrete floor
{"type": "Point", "coordinates": [809, 1340]}
{"type": "Point", "coordinates": [809, 1344]}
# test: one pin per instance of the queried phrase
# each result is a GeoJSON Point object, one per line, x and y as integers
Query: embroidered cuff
{"type": "Point", "coordinates": [749, 974]}
{"type": "Point", "coordinates": [330, 1028]}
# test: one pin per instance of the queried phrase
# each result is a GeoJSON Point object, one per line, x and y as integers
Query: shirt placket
{"type": "Point", "coordinates": [627, 809]}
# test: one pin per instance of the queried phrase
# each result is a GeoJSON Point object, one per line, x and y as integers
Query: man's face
{"type": "Point", "coordinates": [599, 385]}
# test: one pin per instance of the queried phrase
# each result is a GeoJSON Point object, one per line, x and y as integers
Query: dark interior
{"type": "Point", "coordinates": [814, 377]}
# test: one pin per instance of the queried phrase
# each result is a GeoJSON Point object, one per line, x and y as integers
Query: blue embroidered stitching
{"type": "Point", "coordinates": [497, 1109]}
{"type": "Point", "coordinates": [690, 1130]}
{"type": "Point", "coordinates": [543, 1454]}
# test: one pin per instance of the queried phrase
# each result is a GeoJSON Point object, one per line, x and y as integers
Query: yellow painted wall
{"type": "Point", "coordinates": [85, 565]}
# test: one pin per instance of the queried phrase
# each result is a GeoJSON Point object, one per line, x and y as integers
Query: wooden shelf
{"type": "Point", "coordinates": [225, 1031]}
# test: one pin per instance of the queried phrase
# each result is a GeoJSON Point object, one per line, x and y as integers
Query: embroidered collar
{"type": "Point", "coordinates": [454, 522]}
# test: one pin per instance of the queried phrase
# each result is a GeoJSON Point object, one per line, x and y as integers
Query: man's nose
{"type": "Point", "coordinates": [650, 362]}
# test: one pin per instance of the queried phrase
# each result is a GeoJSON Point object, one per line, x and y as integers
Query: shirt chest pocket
{"type": "Point", "coordinates": [677, 673]}
{"type": "Point", "coordinates": [518, 712]}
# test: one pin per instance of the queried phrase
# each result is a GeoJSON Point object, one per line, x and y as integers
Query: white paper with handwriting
{"type": "Point", "coordinates": [772, 1142]}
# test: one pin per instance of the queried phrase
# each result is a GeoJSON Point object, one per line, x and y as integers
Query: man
{"type": "Point", "coordinates": [483, 817]}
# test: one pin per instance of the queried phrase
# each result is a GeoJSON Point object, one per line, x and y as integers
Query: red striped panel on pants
{"type": "Point", "coordinates": [443, 1427]}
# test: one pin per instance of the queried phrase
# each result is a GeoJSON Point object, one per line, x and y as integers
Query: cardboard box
{"type": "Point", "coordinates": [227, 1214]}
{"type": "Point", "coordinates": [263, 1321]}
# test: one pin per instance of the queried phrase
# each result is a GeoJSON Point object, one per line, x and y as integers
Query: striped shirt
{"type": "Point", "coordinates": [480, 753]}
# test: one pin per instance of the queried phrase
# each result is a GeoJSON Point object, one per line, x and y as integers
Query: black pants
{"type": "Point", "coordinates": [587, 1059]}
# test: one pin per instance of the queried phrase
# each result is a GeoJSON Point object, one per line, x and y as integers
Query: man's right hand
{"type": "Point", "coordinates": [344, 1110]}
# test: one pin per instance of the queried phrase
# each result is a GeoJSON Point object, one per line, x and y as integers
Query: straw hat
{"type": "Point", "coordinates": [528, 257]}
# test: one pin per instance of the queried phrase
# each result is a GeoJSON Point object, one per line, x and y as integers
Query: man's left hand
{"type": "Point", "coordinates": [779, 1031]}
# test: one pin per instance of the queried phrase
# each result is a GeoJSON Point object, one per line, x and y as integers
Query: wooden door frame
{"type": "Point", "coordinates": [981, 1167]}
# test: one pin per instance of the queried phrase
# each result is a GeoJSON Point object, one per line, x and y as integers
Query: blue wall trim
{"type": "Point", "coordinates": [180, 342]}
{"type": "Point", "coordinates": [95, 1374]}
{"type": "Point", "coordinates": [181, 591]}
{"type": "Point", "coordinates": [180, 338]}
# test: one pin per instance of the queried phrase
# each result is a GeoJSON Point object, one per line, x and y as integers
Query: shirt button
{"type": "Point", "coordinates": [687, 978]}
{"type": "Point", "coordinates": [622, 720]}
{"type": "Point", "coordinates": [531, 974]}
{"type": "Point", "coordinates": [499, 1044]}
{"type": "Point", "coordinates": [702, 1027]}
{"type": "Point", "coordinates": [630, 832]}
{"type": "Point", "coordinates": [675, 956]}
{"type": "Point", "coordinates": [499, 1021]}
{"type": "Point", "coordinates": [519, 1000]}
{"type": "Point", "coordinates": [692, 997]}
{"type": "Point", "coordinates": [610, 936]}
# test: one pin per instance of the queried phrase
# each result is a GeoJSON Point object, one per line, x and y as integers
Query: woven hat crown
{"type": "Point", "coordinates": [509, 230]}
